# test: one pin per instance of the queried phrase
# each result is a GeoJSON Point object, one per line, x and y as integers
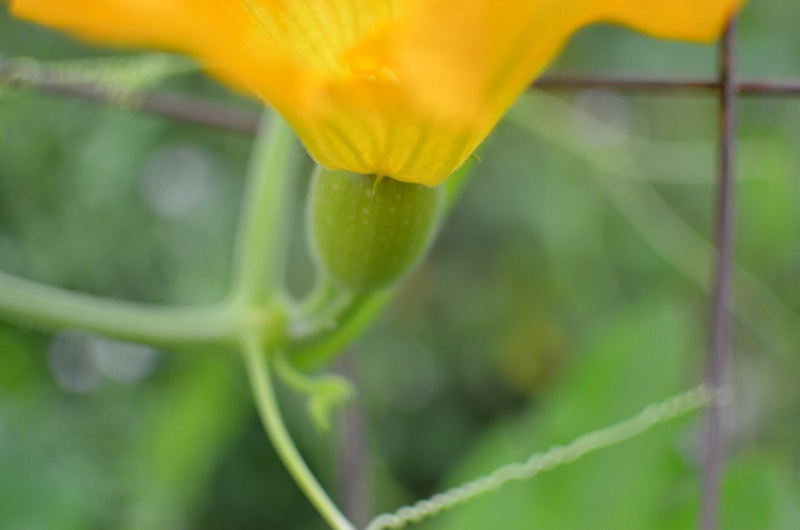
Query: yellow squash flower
{"type": "Point", "coordinates": [399, 88]}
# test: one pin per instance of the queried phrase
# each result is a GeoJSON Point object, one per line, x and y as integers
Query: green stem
{"type": "Point", "coordinates": [49, 308]}
{"type": "Point", "coordinates": [259, 263]}
{"type": "Point", "coordinates": [324, 292]}
{"type": "Point", "coordinates": [318, 344]}
{"type": "Point", "coordinates": [325, 392]}
{"type": "Point", "coordinates": [260, 251]}
{"type": "Point", "coordinates": [323, 319]}
{"type": "Point", "coordinates": [258, 371]}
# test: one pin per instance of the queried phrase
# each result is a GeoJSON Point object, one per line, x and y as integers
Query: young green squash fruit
{"type": "Point", "coordinates": [368, 232]}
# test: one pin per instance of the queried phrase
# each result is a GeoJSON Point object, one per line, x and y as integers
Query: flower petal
{"type": "Point", "coordinates": [468, 61]}
{"type": "Point", "coordinates": [254, 41]}
{"type": "Point", "coordinates": [402, 88]}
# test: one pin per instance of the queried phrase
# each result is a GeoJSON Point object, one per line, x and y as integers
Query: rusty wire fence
{"type": "Point", "coordinates": [726, 87]}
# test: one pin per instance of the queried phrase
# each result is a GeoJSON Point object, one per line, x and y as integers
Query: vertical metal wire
{"type": "Point", "coordinates": [719, 325]}
{"type": "Point", "coordinates": [352, 467]}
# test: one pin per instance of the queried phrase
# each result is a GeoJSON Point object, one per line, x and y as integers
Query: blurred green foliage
{"type": "Point", "coordinates": [559, 298]}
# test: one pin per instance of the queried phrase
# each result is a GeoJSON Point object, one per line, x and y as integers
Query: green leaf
{"type": "Point", "coordinates": [639, 358]}
{"type": "Point", "coordinates": [190, 422]}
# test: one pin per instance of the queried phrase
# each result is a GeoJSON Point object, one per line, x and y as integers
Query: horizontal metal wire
{"type": "Point", "coordinates": [756, 87]}
{"type": "Point", "coordinates": [171, 105]}
{"type": "Point", "coordinates": [209, 113]}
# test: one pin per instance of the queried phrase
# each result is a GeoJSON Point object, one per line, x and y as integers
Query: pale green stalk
{"type": "Point", "coordinates": [258, 263]}
{"type": "Point", "coordinates": [253, 316]}
{"type": "Point", "coordinates": [259, 258]}
{"type": "Point", "coordinates": [258, 371]}
{"type": "Point", "coordinates": [28, 303]}
{"type": "Point", "coordinates": [307, 350]}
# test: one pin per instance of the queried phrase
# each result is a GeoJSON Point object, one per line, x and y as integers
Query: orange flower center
{"type": "Point", "coordinates": [370, 57]}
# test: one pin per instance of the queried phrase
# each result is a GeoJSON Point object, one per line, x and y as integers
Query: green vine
{"type": "Point", "coordinates": [280, 336]}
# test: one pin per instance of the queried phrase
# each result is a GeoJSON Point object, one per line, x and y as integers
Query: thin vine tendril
{"type": "Point", "coordinates": [651, 416]}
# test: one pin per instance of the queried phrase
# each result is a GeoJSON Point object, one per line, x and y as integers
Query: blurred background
{"type": "Point", "coordinates": [564, 294]}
